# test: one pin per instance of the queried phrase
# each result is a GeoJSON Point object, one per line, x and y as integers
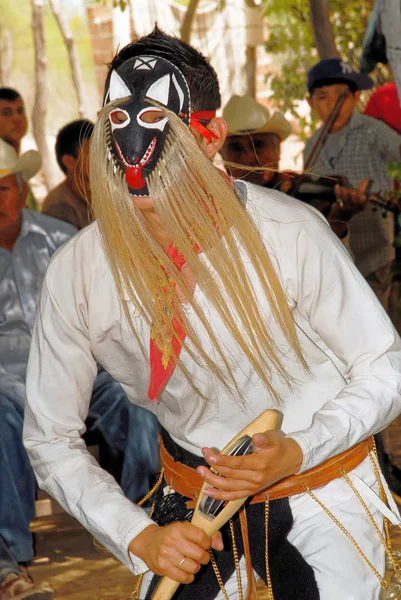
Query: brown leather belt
{"type": "Point", "coordinates": [187, 482]}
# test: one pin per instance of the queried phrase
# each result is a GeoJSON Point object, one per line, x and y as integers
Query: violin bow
{"type": "Point", "coordinates": [325, 132]}
{"type": "Point", "coordinates": [204, 515]}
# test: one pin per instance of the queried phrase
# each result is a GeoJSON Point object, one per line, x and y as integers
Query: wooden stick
{"type": "Point", "coordinates": [268, 420]}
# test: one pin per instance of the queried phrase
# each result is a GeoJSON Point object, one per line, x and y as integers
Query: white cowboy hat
{"type": "Point", "coordinates": [244, 115]}
{"type": "Point", "coordinates": [28, 164]}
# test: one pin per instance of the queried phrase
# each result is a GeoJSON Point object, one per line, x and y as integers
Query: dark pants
{"type": "Point", "coordinates": [128, 439]}
{"type": "Point", "coordinates": [8, 564]}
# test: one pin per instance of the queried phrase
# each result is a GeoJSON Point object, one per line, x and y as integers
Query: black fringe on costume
{"type": "Point", "coordinates": [292, 578]}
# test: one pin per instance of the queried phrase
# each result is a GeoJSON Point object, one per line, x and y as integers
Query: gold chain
{"type": "Point", "coordinates": [383, 582]}
{"type": "Point", "coordinates": [383, 498]}
{"type": "Point", "coordinates": [268, 577]}
{"type": "Point", "coordinates": [137, 589]}
{"type": "Point", "coordinates": [153, 490]}
{"type": "Point", "coordinates": [217, 573]}
{"type": "Point", "coordinates": [366, 509]}
{"type": "Point", "coordinates": [236, 561]}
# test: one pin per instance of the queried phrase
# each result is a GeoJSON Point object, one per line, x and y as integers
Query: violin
{"type": "Point", "coordinates": [320, 193]}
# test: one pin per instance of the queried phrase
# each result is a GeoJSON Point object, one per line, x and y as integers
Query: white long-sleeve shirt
{"type": "Point", "coordinates": [353, 353]}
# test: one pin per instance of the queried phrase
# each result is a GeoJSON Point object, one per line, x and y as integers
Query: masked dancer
{"type": "Point", "coordinates": [210, 301]}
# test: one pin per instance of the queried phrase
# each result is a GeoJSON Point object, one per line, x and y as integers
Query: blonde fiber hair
{"type": "Point", "coordinates": [198, 209]}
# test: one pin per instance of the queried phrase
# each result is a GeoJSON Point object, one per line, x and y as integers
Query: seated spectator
{"type": "Point", "coordinates": [13, 127]}
{"type": "Point", "coordinates": [70, 200]}
{"type": "Point", "coordinates": [13, 121]}
{"type": "Point", "coordinates": [254, 140]}
{"type": "Point", "coordinates": [27, 242]}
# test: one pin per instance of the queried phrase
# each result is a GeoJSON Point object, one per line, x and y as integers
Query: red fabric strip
{"type": "Point", "coordinates": [203, 115]}
{"type": "Point", "coordinates": [159, 375]}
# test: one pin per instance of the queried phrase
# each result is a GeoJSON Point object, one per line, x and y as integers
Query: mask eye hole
{"type": "Point", "coordinates": [118, 117]}
{"type": "Point", "coordinates": [152, 116]}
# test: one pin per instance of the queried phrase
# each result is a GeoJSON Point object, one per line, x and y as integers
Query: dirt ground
{"type": "Point", "coordinates": [75, 568]}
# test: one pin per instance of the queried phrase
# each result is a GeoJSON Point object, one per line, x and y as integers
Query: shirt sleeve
{"type": "Point", "coordinates": [386, 142]}
{"type": "Point", "coordinates": [12, 386]}
{"type": "Point", "coordinates": [60, 377]}
{"type": "Point", "coordinates": [339, 306]}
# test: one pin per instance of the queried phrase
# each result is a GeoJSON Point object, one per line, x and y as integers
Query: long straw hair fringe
{"type": "Point", "coordinates": [199, 210]}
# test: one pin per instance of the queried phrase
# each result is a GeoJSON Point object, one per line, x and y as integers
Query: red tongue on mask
{"type": "Point", "coordinates": [134, 178]}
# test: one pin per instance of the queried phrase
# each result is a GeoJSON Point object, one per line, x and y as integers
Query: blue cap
{"type": "Point", "coordinates": [338, 71]}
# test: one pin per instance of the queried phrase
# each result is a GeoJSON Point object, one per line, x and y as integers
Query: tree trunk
{"type": "Point", "coordinates": [76, 72]}
{"type": "Point", "coordinates": [250, 71]}
{"type": "Point", "coordinates": [40, 104]}
{"type": "Point", "coordinates": [322, 29]}
{"type": "Point", "coordinates": [250, 61]}
{"type": "Point", "coordinates": [6, 56]}
{"type": "Point", "coordinates": [133, 33]}
{"type": "Point", "coordinates": [186, 27]}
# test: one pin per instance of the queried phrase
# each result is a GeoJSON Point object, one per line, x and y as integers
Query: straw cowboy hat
{"type": "Point", "coordinates": [28, 164]}
{"type": "Point", "coordinates": [244, 115]}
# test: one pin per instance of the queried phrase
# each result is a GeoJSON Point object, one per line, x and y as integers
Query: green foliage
{"type": "Point", "coordinates": [292, 44]}
{"type": "Point", "coordinates": [122, 4]}
{"type": "Point", "coordinates": [394, 169]}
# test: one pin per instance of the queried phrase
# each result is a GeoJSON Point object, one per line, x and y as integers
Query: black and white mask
{"type": "Point", "coordinates": [138, 128]}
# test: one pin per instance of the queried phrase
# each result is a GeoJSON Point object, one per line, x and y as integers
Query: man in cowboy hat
{"type": "Point", "coordinates": [27, 241]}
{"type": "Point", "coordinates": [254, 140]}
{"type": "Point", "coordinates": [25, 237]}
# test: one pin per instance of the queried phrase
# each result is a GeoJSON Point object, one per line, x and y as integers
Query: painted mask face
{"type": "Point", "coordinates": [138, 128]}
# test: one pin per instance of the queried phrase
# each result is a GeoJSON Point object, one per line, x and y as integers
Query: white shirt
{"type": "Point", "coordinates": [353, 353]}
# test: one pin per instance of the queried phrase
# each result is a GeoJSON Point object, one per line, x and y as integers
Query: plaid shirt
{"type": "Point", "coordinates": [363, 152]}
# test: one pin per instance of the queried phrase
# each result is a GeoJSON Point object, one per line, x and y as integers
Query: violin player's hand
{"type": "Point", "coordinates": [349, 201]}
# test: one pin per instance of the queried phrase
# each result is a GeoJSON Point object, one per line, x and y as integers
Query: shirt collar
{"type": "Point", "coordinates": [30, 224]}
{"type": "Point", "coordinates": [356, 121]}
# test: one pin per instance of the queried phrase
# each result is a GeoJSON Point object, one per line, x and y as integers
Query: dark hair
{"type": "Point", "coordinates": [201, 77]}
{"type": "Point", "coordinates": [333, 81]}
{"type": "Point", "coordinates": [70, 138]}
{"type": "Point", "coordinates": [7, 93]}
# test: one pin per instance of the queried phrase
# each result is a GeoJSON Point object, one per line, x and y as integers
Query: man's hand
{"type": "Point", "coordinates": [274, 458]}
{"type": "Point", "coordinates": [176, 551]}
{"type": "Point", "coordinates": [349, 201]}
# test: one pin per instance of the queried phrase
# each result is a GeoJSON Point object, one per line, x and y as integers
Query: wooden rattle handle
{"type": "Point", "coordinates": [268, 420]}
